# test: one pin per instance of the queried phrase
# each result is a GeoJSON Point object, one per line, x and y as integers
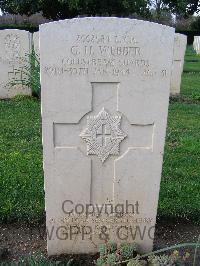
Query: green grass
{"type": "Point", "coordinates": [190, 87]}
{"type": "Point", "coordinates": [21, 178]}
{"type": "Point", "coordinates": [180, 186]}
{"type": "Point", "coordinates": [192, 61]}
{"type": "Point", "coordinates": [21, 175]}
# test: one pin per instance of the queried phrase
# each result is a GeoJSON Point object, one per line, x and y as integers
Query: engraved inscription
{"type": "Point", "coordinates": [105, 39]}
{"type": "Point", "coordinates": [12, 47]}
{"type": "Point", "coordinates": [104, 55]}
{"type": "Point", "coordinates": [103, 135]}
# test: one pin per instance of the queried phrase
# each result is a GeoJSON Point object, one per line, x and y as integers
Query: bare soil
{"type": "Point", "coordinates": [19, 240]}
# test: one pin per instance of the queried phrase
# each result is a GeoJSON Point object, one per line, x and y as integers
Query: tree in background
{"type": "Point", "coordinates": [183, 8]}
{"type": "Point", "coordinates": [158, 7]}
{"type": "Point", "coordinates": [195, 25]}
{"type": "Point", "coordinates": [159, 10]}
{"type": "Point", "coordinates": [22, 7]}
{"type": "Point", "coordinates": [180, 8]}
{"type": "Point", "coordinates": [60, 9]}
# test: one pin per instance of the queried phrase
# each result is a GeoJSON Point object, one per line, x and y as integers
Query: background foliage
{"type": "Point", "coordinates": [60, 9]}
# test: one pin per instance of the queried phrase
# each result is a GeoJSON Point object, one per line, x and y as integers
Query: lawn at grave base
{"type": "Point", "coordinates": [190, 87]}
{"type": "Point", "coordinates": [180, 186]}
{"type": "Point", "coordinates": [192, 61]}
{"type": "Point", "coordinates": [21, 178]}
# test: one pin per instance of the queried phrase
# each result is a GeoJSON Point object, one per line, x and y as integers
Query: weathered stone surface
{"type": "Point", "coordinates": [105, 92]}
{"type": "Point", "coordinates": [196, 44]}
{"type": "Point", "coordinates": [36, 43]}
{"type": "Point", "coordinates": [14, 45]}
{"type": "Point", "coordinates": [180, 43]}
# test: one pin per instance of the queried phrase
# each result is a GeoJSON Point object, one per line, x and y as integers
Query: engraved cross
{"type": "Point", "coordinates": [103, 134]}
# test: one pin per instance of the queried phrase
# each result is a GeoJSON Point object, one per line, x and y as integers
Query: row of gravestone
{"type": "Point", "coordinates": [196, 44]}
{"type": "Point", "coordinates": [15, 45]}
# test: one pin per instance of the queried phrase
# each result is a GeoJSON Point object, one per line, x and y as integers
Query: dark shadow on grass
{"type": "Point", "coordinates": [184, 99]}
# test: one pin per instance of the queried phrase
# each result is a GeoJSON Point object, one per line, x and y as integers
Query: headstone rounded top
{"type": "Point", "coordinates": [105, 20]}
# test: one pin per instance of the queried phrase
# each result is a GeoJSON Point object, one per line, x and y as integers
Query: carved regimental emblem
{"type": "Point", "coordinates": [103, 135]}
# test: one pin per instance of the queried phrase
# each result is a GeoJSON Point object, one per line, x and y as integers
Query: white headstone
{"type": "Point", "coordinates": [105, 92]}
{"type": "Point", "coordinates": [196, 44]}
{"type": "Point", "coordinates": [180, 43]}
{"type": "Point", "coordinates": [36, 43]}
{"type": "Point", "coordinates": [14, 47]}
